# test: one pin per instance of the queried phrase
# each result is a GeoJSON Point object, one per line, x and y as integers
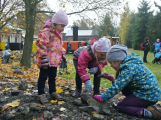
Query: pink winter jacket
{"type": "Point", "coordinates": [49, 45]}
{"type": "Point", "coordinates": [83, 59]}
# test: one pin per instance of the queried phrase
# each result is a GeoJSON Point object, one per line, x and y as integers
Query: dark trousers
{"type": "Point", "coordinates": [96, 80]}
{"type": "Point", "coordinates": [43, 75]}
{"type": "Point", "coordinates": [145, 56]}
{"type": "Point", "coordinates": [132, 105]}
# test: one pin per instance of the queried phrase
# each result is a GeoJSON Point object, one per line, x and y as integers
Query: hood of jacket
{"type": "Point", "coordinates": [131, 59]}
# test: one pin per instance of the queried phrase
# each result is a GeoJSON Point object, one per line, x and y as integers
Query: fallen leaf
{"type": "Point", "coordinates": [4, 108]}
{"type": "Point", "coordinates": [62, 115]}
{"type": "Point", "coordinates": [66, 92]}
{"type": "Point", "coordinates": [14, 103]}
{"type": "Point", "coordinates": [62, 109]}
{"type": "Point", "coordinates": [27, 89]}
{"type": "Point", "coordinates": [60, 102]}
{"type": "Point", "coordinates": [95, 112]}
{"type": "Point", "coordinates": [13, 111]}
{"type": "Point", "coordinates": [53, 101]}
{"type": "Point", "coordinates": [33, 118]}
{"type": "Point", "coordinates": [59, 89]}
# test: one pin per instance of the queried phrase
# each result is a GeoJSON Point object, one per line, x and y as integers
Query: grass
{"type": "Point", "coordinates": [155, 68]}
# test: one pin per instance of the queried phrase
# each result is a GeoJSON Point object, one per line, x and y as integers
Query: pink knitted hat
{"type": "Point", "coordinates": [60, 17]}
{"type": "Point", "coordinates": [103, 45]}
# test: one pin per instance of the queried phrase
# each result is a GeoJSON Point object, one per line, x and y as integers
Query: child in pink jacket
{"type": "Point", "coordinates": [49, 53]}
{"type": "Point", "coordinates": [94, 58]}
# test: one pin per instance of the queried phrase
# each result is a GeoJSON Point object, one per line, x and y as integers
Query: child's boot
{"type": "Point", "coordinates": [55, 95]}
{"type": "Point", "coordinates": [43, 99]}
{"type": "Point", "coordinates": [156, 114]}
{"type": "Point", "coordinates": [76, 93]}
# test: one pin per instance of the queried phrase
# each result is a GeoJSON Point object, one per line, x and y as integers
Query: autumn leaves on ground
{"type": "Point", "coordinates": [18, 91]}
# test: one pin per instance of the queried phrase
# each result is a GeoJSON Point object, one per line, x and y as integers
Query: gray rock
{"type": "Point", "coordinates": [106, 111]}
{"type": "Point", "coordinates": [23, 86]}
{"type": "Point", "coordinates": [35, 106]}
{"type": "Point", "coordinates": [77, 102]}
{"type": "Point", "coordinates": [85, 97]}
{"type": "Point", "coordinates": [21, 108]}
{"type": "Point", "coordinates": [18, 71]}
{"type": "Point", "coordinates": [93, 102]}
{"type": "Point", "coordinates": [26, 110]}
{"type": "Point", "coordinates": [89, 108]}
{"type": "Point", "coordinates": [15, 92]}
{"type": "Point", "coordinates": [98, 116]}
{"type": "Point", "coordinates": [9, 116]}
{"type": "Point", "coordinates": [2, 99]}
{"type": "Point", "coordinates": [48, 115]}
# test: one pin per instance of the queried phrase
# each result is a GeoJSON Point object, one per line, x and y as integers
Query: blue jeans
{"type": "Point", "coordinates": [49, 73]}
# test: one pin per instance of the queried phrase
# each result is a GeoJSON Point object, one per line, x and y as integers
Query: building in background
{"type": "Point", "coordinates": [83, 35]}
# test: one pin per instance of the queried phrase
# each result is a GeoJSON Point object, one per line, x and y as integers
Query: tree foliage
{"type": "Point", "coordinates": [106, 27]}
{"type": "Point", "coordinates": [9, 10]}
{"type": "Point", "coordinates": [125, 22]}
{"type": "Point", "coordinates": [78, 6]}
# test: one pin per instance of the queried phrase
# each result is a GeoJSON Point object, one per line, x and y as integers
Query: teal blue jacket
{"type": "Point", "coordinates": [138, 78]}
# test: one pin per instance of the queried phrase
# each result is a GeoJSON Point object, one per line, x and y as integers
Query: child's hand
{"type": "Point", "coordinates": [93, 70]}
{"type": "Point", "coordinates": [88, 86]}
{"type": "Point", "coordinates": [98, 98]}
{"type": "Point", "coordinates": [107, 76]}
{"type": "Point", "coordinates": [44, 62]}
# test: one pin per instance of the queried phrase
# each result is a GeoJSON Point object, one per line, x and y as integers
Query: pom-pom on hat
{"type": "Point", "coordinates": [60, 17]}
{"type": "Point", "coordinates": [103, 45]}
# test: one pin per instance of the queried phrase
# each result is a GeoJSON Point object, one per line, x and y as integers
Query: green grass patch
{"type": "Point", "coordinates": [155, 68]}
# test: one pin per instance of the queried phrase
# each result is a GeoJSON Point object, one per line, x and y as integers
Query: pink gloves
{"type": "Point", "coordinates": [98, 98]}
{"type": "Point", "coordinates": [107, 76]}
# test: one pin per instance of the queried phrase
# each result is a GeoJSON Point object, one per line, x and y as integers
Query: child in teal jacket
{"type": "Point", "coordinates": [137, 83]}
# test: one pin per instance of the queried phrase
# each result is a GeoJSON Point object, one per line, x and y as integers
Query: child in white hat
{"type": "Point", "coordinates": [92, 57]}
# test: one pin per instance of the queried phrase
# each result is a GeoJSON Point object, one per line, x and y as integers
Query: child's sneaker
{"type": "Point", "coordinates": [155, 112]}
{"type": "Point", "coordinates": [158, 62]}
{"type": "Point", "coordinates": [55, 95]}
{"type": "Point", "coordinates": [76, 93]}
{"type": "Point", "coordinates": [43, 99]}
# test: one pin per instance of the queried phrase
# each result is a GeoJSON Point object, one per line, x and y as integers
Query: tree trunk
{"type": "Point", "coordinates": [30, 14]}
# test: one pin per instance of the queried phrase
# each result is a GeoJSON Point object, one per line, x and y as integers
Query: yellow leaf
{"type": "Point", "coordinates": [95, 112]}
{"type": "Point", "coordinates": [53, 101]}
{"type": "Point", "coordinates": [60, 102]}
{"type": "Point", "coordinates": [59, 89]}
{"type": "Point", "coordinates": [27, 89]}
{"type": "Point", "coordinates": [14, 103]}
{"type": "Point", "coordinates": [159, 102]}
{"type": "Point", "coordinates": [33, 118]}
{"type": "Point", "coordinates": [62, 115]}
{"type": "Point", "coordinates": [121, 97]}
{"type": "Point", "coordinates": [66, 92]}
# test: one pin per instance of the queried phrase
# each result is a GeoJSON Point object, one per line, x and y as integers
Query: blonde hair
{"type": "Point", "coordinates": [118, 71]}
{"type": "Point", "coordinates": [53, 25]}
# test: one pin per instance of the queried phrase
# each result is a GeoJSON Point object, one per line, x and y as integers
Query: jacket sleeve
{"type": "Point", "coordinates": [100, 66]}
{"type": "Point", "coordinates": [120, 82]}
{"type": "Point", "coordinates": [83, 59]}
{"type": "Point", "coordinates": [144, 44]}
{"type": "Point", "coordinates": [42, 44]}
